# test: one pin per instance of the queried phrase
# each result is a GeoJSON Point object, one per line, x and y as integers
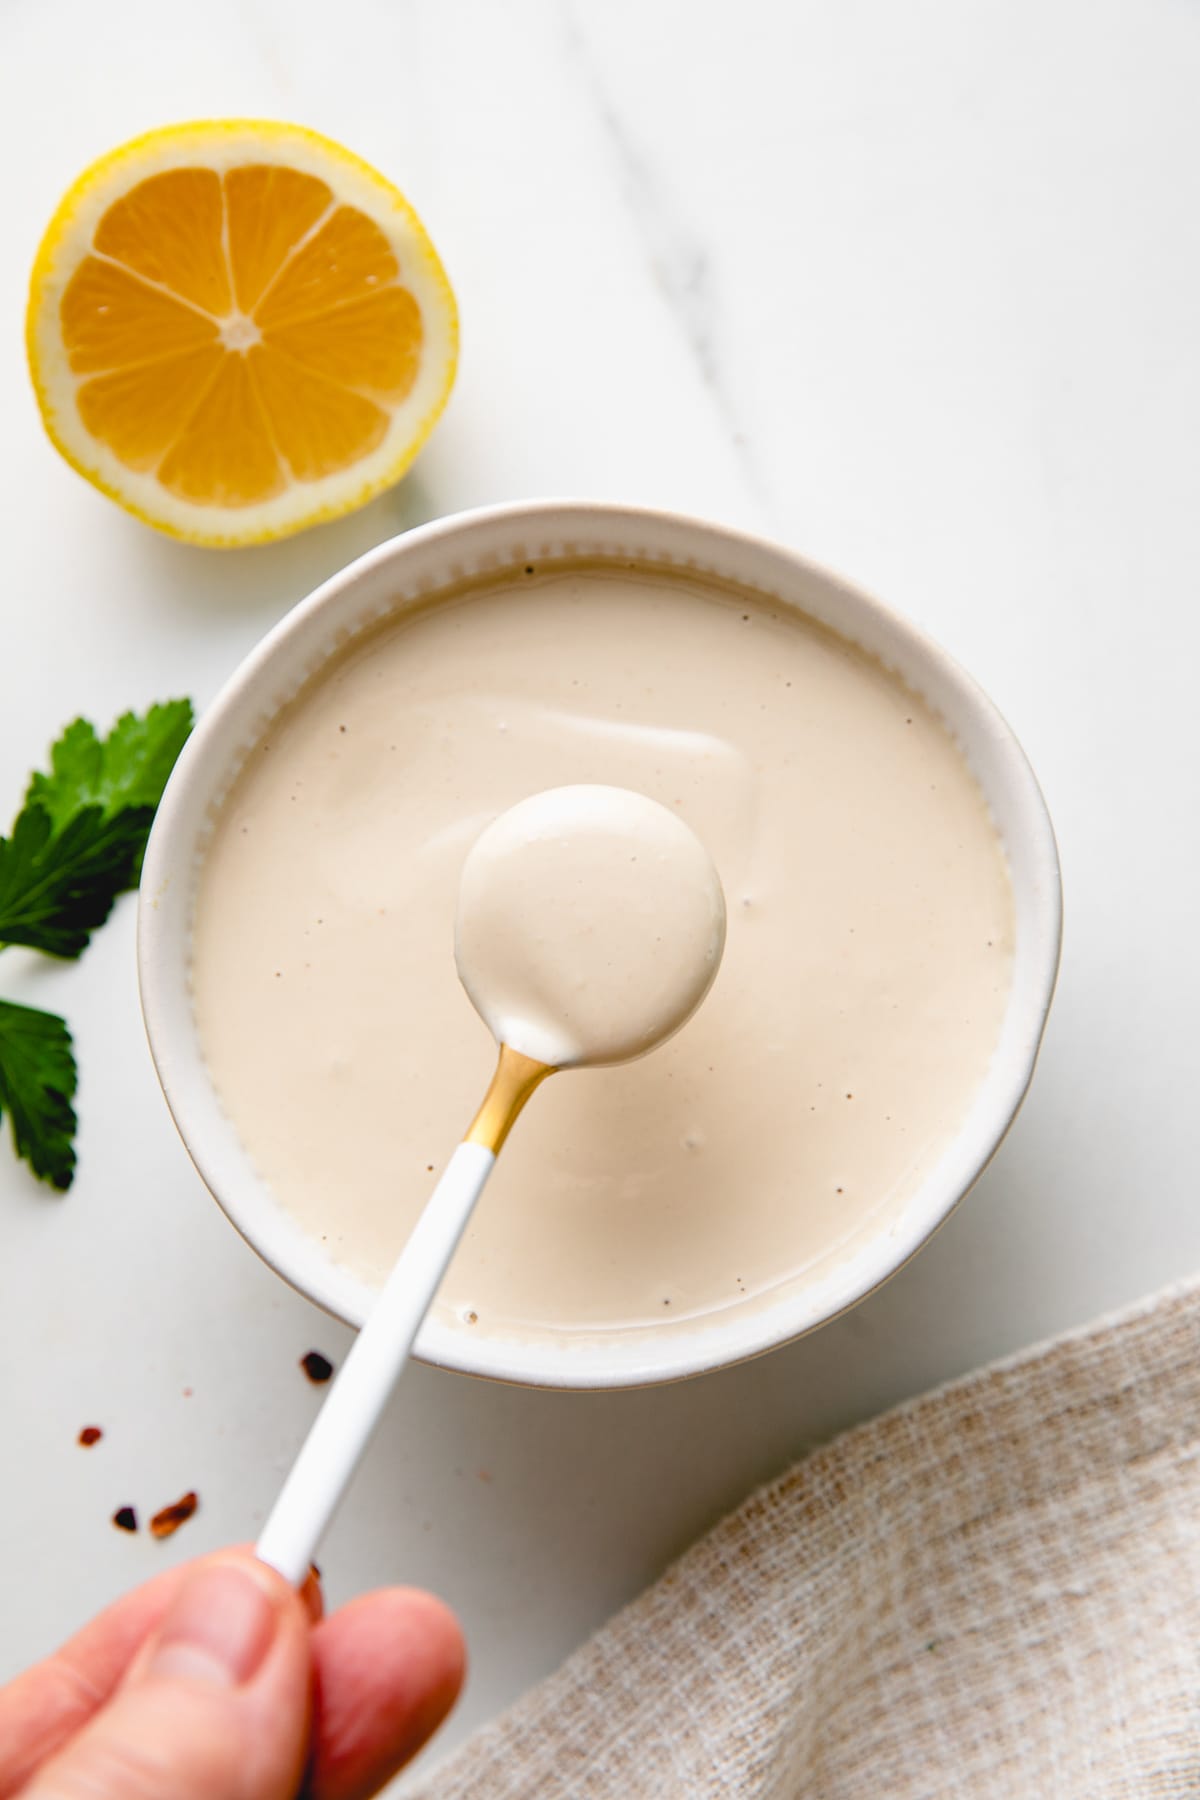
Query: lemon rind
{"type": "Point", "coordinates": [227, 142]}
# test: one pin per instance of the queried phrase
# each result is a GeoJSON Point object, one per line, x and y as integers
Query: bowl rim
{"type": "Point", "coordinates": [689, 545]}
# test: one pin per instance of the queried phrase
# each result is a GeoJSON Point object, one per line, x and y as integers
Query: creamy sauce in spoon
{"type": "Point", "coordinates": [860, 997]}
{"type": "Point", "coordinates": [590, 925]}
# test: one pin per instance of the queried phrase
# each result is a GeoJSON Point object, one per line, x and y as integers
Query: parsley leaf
{"type": "Point", "coordinates": [77, 843]}
{"type": "Point", "coordinates": [37, 1080]}
{"type": "Point", "coordinates": [128, 769]}
{"type": "Point", "coordinates": [54, 891]}
{"type": "Point", "coordinates": [80, 838]}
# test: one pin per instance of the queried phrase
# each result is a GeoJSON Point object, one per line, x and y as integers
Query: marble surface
{"type": "Point", "coordinates": [914, 289]}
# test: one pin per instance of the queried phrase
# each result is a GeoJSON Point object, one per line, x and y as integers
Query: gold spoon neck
{"type": "Point", "coordinates": [515, 1079]}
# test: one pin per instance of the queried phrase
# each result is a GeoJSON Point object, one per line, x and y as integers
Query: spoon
{"type": "Point", "coordinates": [590, 926]}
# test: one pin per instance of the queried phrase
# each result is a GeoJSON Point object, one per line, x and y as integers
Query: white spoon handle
{"type": "Point", "coordinates": [343, 1427]}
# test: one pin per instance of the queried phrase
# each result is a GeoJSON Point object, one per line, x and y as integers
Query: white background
{"type": "Point", "coordinates": [914, 289]}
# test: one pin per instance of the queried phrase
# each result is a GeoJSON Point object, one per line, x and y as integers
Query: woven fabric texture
{"type": "Point", "coordinates": [991, 1592]}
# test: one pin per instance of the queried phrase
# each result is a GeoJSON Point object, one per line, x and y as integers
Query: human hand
{"type": "Point", "coordinates": [218, 1681]}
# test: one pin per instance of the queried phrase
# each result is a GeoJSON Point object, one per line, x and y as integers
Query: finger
{"type": "Point", "coordinates": [49, 1703]}
{"type": "Point", "coordinates": [217, 1701]}
{"type": "Point", "coordinates": [387, 1669]}
{"type": "Point", "coordinates": [45, 1707]}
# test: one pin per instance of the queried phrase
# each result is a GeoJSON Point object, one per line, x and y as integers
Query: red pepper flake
{"type": "Point", "coordinates": [125, 1519]}
{"type": "Point", "coordinates": [91, 1434]}
{"type": "Point", "coordinates": [318, 1368]}
{"type": "Point", "coordinates": [168, 1520]}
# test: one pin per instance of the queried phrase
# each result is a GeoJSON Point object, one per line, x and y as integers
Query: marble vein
{"type": "Point", "coordinates": [681, 265]}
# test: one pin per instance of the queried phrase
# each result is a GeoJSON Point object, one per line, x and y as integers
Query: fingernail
{"type": "Point", "coordinates": [218, 1629]}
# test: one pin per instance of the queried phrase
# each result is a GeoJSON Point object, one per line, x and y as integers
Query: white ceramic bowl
{"type": "Point", "coordinates": [410, 568]}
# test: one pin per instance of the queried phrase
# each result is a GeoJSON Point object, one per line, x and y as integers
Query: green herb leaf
{"type": "Point", "coordinates": [54, 891]}
{"type": "Point", "coordinates": [128, 769]}
{"type": "Point", "coordinates": [80, 839]}
{"type": "Point", "coordinates": [37, 1080]}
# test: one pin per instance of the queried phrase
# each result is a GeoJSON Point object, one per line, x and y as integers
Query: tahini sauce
{"type": "Point", "coordinates": [865, 975]}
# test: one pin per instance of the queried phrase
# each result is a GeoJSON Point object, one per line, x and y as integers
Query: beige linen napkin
{"type": "Point", "coordinates": [993, 1591]}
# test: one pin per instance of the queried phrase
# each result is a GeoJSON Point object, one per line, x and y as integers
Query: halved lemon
{"type": "Point", "coordinates": [237, 329]}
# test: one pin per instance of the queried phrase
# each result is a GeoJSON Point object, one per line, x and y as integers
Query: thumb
{"type": "Point", "coordinates": [216, 1706]}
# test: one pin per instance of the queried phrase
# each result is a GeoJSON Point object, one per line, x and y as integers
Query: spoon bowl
{"type": "Point", "coordinates": [590, 926]}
